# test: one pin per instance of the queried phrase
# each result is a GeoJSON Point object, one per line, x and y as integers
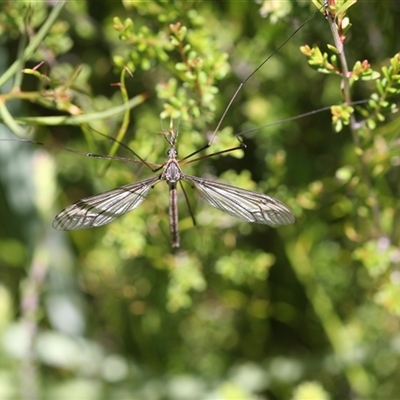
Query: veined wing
{"type": "Point", "coordinates": [104, 207]}
{"type": "Point", "coordinates": [244, 204]}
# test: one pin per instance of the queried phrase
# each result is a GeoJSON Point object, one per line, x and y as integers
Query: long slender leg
{"type": "Point", "coordinates": [188, 203]}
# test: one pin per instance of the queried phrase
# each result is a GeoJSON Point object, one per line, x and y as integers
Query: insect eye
{"type": "Point", "coordinates": [172, 153]}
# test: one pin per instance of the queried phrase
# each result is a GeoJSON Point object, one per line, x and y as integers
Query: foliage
{"type": "Point", "coordinates": [241, 310]}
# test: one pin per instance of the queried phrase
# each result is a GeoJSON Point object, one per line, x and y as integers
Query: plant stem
{"type": "Point", "coordinates": [355, 126]}
{"type": "Point", "coordinates": [35, 43]}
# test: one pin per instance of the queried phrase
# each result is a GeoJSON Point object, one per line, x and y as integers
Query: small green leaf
{"type": "Point", "coordinates": [333, 48]}
{"type": "Point", "coordinates": [344, 7]}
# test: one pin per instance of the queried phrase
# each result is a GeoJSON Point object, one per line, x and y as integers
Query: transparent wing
{"type": "Point", "coordinates": [104, 207]}
{"type": "Point", "coordinates": [244, 204]}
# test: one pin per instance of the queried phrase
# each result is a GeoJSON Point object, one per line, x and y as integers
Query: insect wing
{"type": "Point", "coordinates": [104, 207]}
{"type": "Point", "coordinates": [244, 204]}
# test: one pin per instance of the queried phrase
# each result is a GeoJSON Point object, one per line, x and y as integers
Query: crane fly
{"type": "Point", "coordinates": [104, 208]}
{"type": "Point", "coordinates": [246, 205]}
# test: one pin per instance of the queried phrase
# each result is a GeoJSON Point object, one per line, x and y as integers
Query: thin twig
{"type": "Point", "coordinates": [354, 125]}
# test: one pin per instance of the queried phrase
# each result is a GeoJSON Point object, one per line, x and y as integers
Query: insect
{"type": "Point", "coordinates": [105, 207]}
{"type": "Point", "coordinates": [244, 204]}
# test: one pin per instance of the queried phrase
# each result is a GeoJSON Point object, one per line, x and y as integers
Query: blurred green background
{"type": "Point", "coordinates": [240, 311]}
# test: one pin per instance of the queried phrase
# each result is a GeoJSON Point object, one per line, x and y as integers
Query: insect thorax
{"type": "Point", "coordinates": [172, 172]}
